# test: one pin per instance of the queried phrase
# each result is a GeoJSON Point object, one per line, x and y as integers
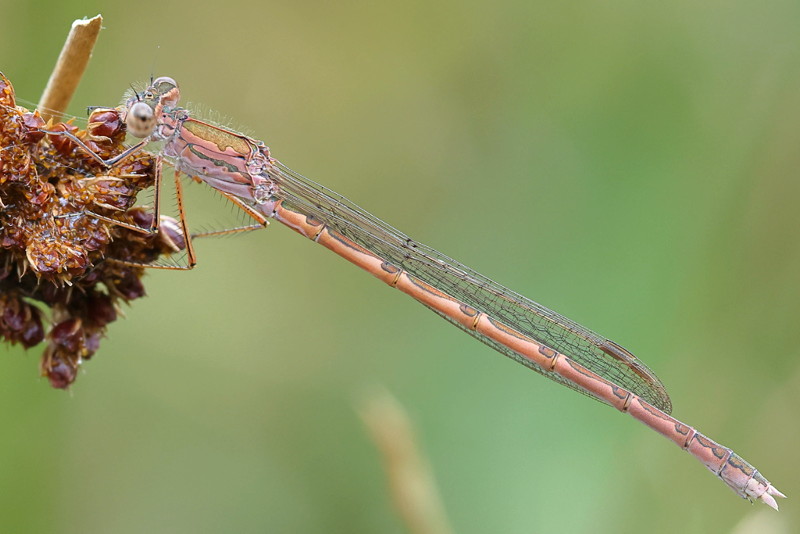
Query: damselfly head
{"type": "Point", "coordinates": [142, 110]}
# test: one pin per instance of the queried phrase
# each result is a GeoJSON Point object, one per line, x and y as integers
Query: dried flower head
{"type": "Point", "coordinates": [66, 257]}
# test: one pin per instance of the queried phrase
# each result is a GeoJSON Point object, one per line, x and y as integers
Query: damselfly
{"type": "Point", "coordinates": [243, 170]}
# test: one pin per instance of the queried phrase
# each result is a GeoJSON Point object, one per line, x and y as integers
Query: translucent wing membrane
{"type": "Point", "coordinates": [591, 350]}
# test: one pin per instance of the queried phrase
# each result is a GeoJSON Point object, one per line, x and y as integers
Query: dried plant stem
{"type": "Point", "coordinates": [411, 482]}
{"type": "Point", "coordinates": [70, 66]}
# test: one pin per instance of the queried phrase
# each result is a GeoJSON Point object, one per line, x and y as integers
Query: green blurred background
{"type": "Point", "coordinates": [632, 165]}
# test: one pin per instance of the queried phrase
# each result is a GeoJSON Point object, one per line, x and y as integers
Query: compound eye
{"type": "Point", "coordinates": [164, 84]}
{"type": "Point", "coordinates": [141, 120]}
{"type": "Point", "coordinates": [167, 91]}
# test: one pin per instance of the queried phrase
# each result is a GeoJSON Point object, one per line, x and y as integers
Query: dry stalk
{"type": "Point", "coordinates": [411, 481]}
{"type": "Point", "coordinates": [70, 67]}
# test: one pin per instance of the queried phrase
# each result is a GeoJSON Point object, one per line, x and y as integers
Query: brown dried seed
{"type": "Point", "coordinates": [100, 309]}
{"type": "Point", "coordinates": [33, 123]}
{"type": "Point", "coordinates": [129, 286]}
{"type": "Point", "coordinates": [105, 123]}
{"type": "Point", "coordinates": [68, 334]}
{"type": "Point", "coordinates": [59, 368]}
{"type": "Point", "coordinates": [62, 143]}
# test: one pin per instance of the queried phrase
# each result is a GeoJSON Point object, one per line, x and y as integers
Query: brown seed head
{"type": "Point", "coordinates": [59, 246]}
